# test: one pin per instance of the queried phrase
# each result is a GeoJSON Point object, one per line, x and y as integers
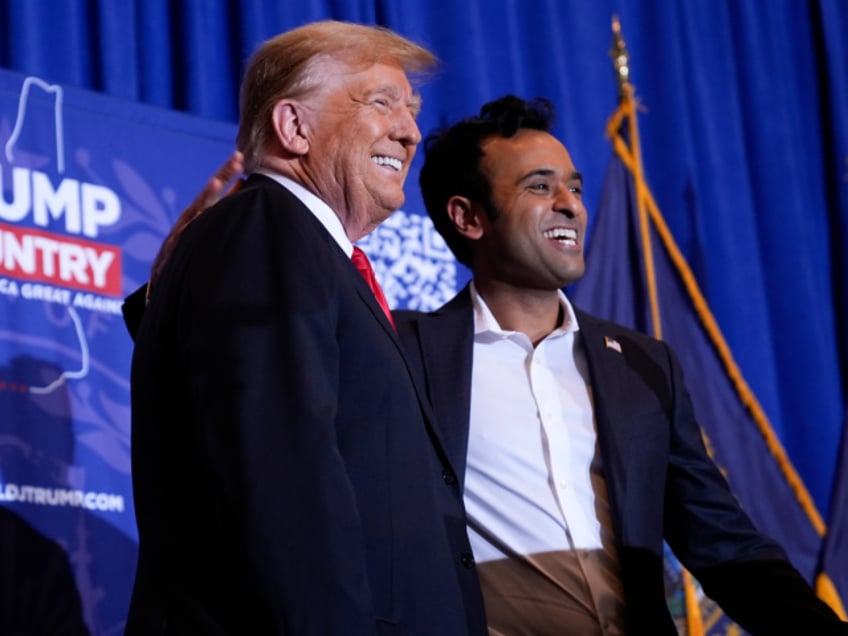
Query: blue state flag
{"type": "Point", "coordinates": [638, 277]}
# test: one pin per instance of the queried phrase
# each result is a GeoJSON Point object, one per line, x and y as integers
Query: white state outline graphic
{"type": "Point", "coordinates": [72, 375]}
{"type": "Point", "coordinates": [56, 90]}
{"type": "Point", "coordinates": [57, 114]}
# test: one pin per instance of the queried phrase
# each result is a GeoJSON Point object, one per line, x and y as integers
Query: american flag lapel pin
{"type": "Point", "coordinates": [612, 343]}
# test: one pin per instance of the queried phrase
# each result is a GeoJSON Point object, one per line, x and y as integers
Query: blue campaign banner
{"type": "Point", "coordinates": [90, 186]}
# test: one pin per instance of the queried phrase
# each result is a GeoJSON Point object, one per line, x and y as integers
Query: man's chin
{"type": "Point", "coordinates": [572, 276]}
{"type": "Point", "coordinates": [382, 212]}
{"type": "Point", "coordinates": [391, 204]}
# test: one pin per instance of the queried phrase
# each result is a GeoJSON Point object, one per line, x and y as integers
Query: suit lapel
{"type": "Point", "coordinates": [446, 339]}
{"type": "Point", "coordinates": [367, 296]}
{"type": "Point", "coordinates": [436, 430]}
{"type": "Point", "coordinates": [607, 366]}
{"type": "Point", "coordinates": [608, 377]}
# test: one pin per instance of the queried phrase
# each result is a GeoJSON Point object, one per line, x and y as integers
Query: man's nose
{"type": "Point", "coordinates": [568, 202]}
{"type": "Point", "coordinates": [405, 128]}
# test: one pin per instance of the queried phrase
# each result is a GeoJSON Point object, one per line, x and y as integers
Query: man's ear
{"type": "Point", "coordinates": [290, 126]}
{"type": "Point", "coordinates": [467, 217]}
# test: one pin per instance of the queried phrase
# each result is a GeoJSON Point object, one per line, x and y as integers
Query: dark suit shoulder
{"type": "Point", "coordinates": [261, 227]}
{"type": "Point", "coordinates": [585, 318]}
{"type": "Point", "coordinates": [261, 202]}
{"type": "Point", "coordinates": [607, 328]}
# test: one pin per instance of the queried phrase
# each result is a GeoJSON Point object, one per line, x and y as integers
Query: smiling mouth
{"type": "Point", "coordinates": [391, 162]}
{"type": "Point", "coordinates": [565, 236]}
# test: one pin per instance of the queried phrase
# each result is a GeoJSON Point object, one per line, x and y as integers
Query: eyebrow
{"type": "Point", "coordinates": [547, 172]}
{"type": "Point", "coordinates": [414, 103]}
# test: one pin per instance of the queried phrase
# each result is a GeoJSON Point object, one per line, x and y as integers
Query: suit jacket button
{"type": "Point", "coordinates": [449, 477]}
{"type": "Point", "coordinates": [467, 559]}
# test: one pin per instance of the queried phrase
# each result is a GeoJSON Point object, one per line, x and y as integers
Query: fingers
{"type": "Point", "coordinates": [212, 190]}
{"type": "Point", "coordinates": [215, 186]}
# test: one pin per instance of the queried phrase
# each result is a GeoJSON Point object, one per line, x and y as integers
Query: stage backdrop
{"type": "Point", "coordinates": [90, 186]}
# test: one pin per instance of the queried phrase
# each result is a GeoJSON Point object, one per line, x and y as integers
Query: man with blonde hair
{"type": "Point", "coordinates": [288, 477]}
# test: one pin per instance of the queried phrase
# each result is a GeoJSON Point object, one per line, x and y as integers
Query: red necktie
{"type": "Point", "coordinates": [360, 260]}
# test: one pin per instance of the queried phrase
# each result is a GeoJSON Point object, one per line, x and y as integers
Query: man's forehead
{"type": "Point", "coordinates": [342, 80]}
{"type": "Point", "coordinates": [526, 151]}
{"type": "Point", "coordinates": [359, 65]}
{"type": "Point", "coordinates": [525, 138]}
{"type": "Point", "coordinates": [375, 77]}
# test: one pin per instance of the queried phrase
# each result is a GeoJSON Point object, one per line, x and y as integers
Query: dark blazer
{"type": "Point", "coordinates": [288, 478]}
{"type": "Point", "coordinates": [662, 484]}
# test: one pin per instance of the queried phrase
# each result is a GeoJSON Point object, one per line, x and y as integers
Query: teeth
{"type": "Point", "coordinates": [562, 234]}
{"type": "Point", "coordinates": [387, 161]}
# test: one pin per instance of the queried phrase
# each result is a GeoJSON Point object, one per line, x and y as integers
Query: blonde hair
{"type": "Point", "coordinates": [284, 67]}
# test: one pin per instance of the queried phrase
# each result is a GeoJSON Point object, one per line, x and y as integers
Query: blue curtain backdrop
{"type": "Point", "coordinates": [744, 128]}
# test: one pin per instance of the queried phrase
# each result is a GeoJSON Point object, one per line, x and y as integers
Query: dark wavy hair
{"type": "Point", "coordinates": [452, 160]}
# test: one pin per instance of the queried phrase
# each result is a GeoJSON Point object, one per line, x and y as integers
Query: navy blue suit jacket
{"type": "Point", "coordinates": [661, 482]}
{"type": "Point", "coordinates": [288, 478]}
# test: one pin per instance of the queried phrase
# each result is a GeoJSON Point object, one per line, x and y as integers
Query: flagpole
{"type": "Point", "coordinates": [627, 107]}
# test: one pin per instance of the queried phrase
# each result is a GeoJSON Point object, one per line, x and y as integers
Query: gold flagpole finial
{"type": "Point", "coordinates": [620, 60]}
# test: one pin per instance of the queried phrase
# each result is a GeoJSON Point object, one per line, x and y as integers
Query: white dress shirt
{"type": "Point", "coordinates": [534, 484]}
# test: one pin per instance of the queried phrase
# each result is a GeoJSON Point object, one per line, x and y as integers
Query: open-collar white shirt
{"type": "Point", "coordinates": [534, 481]}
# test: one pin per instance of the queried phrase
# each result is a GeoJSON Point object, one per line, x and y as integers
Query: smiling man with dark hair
{"type": "Point", "coordinates": [577, 448]}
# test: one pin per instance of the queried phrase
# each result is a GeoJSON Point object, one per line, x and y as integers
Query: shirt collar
{"type": "Point", "coordinates": [485, 321]}
{"type": "Point", "coordinates": [323, 212]}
